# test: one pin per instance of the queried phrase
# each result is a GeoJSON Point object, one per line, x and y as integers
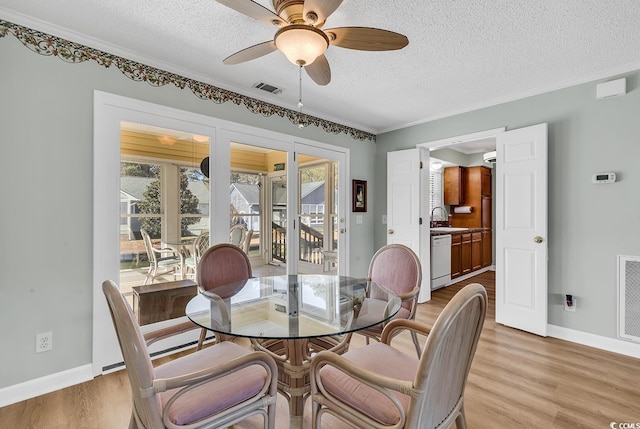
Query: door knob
{"type": "Point", "coordinates": [537, 239]}
{"type": "Point", "coordinates": [390, 231]}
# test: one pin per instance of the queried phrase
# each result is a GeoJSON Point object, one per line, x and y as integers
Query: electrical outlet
{"type": "Point", "coordinates": [44, 342]}
{"type": "Point", "coordinates": [570, 303]}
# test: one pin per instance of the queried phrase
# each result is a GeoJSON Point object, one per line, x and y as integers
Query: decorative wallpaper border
{"type": "Point", "coordinates": [45, 44]}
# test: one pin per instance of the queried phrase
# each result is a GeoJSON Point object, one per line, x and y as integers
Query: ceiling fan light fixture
{"type": "Point", "coordinates": [301, 44]}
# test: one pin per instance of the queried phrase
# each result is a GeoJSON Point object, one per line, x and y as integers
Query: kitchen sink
{"type": "Point", "coordinates": [448, 229]}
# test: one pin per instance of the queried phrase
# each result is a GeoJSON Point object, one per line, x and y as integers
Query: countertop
{"type": "Point", "coordinates": [448, 231]}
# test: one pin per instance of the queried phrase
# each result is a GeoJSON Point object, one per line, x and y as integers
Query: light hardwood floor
{"type": "Point", "coordinates": [517, 380]}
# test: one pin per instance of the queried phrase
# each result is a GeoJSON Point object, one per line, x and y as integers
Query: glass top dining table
{"type": "Point", "coordinates": [291, 307]}
{"type": "Point", "coordinates": [292, 317]}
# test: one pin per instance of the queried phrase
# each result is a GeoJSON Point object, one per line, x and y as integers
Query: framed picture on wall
{"type": "Point", "coordinates": [359, 195]}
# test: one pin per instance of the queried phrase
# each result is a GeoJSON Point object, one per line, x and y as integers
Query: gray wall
{"type": "Point", "coordinates": [589, 225]}
{"type": "Point", "coordinates": [46, 135]}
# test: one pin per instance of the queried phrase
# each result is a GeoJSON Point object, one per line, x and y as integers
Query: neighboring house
{"type": "Point", "coordinates": [245, 198]}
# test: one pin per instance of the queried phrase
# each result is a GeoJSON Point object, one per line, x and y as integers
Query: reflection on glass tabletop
{"type": "Point", "coordinates": [290, 307]}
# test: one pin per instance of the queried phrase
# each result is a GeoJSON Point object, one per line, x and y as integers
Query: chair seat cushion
{"type": "Point", "coordinates": [378, 358]}
{"type": "Point", "coordinates": [214, 396]}
{"type": "Point", "coordinates": [163, 262]}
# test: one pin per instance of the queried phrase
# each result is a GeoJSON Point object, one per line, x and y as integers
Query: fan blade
{"type": "Point", "coordinates": [322, 8]}
{"type": "Point", "coordinates": [254, 10]}
{"type": "Point", "coordinates": [319, 70]}
{"type": "Point", "coordinates": [251, 53]}
{"type": "Point", "coordinates": [366, 39]}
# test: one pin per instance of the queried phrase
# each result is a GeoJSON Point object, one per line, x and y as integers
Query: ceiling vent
{"type": "Point", "coordinates": [269, 88]}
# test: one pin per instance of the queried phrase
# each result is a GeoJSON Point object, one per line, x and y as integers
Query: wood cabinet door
{"type": "Point", "coordinates": [486, 217]}
{"type": "Point", "coordinates": [465, 253]}
{"type": "Point", "coordinates": [454, 185]}
{"type": "Point", "coordinates": [456, 260]}
{"type": "Point", "coordinates": [487, 249]}
{"type": "Point", "coordinates": [476, 251]}
{"type": "Point", "coordinates": [485, 182]}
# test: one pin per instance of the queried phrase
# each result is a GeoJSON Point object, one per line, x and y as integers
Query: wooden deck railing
{"type": "Point", "coordinates": [311, 243]}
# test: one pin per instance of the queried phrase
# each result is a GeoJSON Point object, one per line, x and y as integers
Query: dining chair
{"type": "Point", "coordinates": [246, 241]}
{"type": "Point", "coordinates": [159, 263]}
{"type": "Point", "coordinates": [200, 244]}
{"type": "Point", "coordinates": [221, 265]}
{"type": "Point", "coordinates": [397, 270]}
{"type": "Point", "coordinates": [215, 387]}
{"type": "Point", "coordinates": [378, 386]}
{"type": "Point", "coordinates": [237, 234]}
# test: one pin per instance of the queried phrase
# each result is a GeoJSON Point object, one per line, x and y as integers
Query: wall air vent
{"type": "Point", "coordinates": [629, 298]}
{"type": "Point", "coordinates": [266, 87]}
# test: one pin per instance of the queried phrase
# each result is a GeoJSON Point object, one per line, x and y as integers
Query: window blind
{"type": "Point", "coordinates": [436, 192]}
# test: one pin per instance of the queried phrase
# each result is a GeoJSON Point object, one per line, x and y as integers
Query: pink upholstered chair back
{"type": "Point", "coordinates": [136, 356]}
{"type": "Point", "coordinates": [446, 360]}
{"type": "Point", "coordinates": [396, 268]}
{"type": "Point", "coordinates": [220, 265]}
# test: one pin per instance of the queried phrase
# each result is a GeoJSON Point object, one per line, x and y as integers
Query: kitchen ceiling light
{"type": "Point", "coordinates": [490, 157]}
{"type": "Point", "coordinates": [436, 165]}
{"type": "Point", "coordinates": [302, 44]}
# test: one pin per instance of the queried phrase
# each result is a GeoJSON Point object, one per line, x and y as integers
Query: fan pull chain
{"type": "Point", "coordinates": [300, 124]}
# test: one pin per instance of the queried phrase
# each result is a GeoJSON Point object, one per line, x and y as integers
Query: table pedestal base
{"type": "Point", "coordinates": [293, 358]}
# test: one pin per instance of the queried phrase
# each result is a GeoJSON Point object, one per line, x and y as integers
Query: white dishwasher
{"type": "Point", "coordinates": [440, 261]}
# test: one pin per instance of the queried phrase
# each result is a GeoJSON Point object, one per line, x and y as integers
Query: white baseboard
{"type": "Point", "coordinates": [604, 343]}
{"type": "Point", "coordinates": [40, 386]}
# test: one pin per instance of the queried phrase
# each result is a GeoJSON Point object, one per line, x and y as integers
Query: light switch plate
{"type": "Point", "coordinates": [359, 219]}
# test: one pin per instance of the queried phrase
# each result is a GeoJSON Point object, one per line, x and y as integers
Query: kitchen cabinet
{"type": "Point", "coordinates": [465, 253]}
{"type": "Point", "coordinates": [487, 248]}
{"type": "Point", "coordinates": [478, 197]}
{"type": "Point", "coordinates": [485, 214]}
{"type": "Point", "coordinates": [455, 179]}
{"type": "Point", "coordinates": [456, 267]}
{"type": "Point", "coordinates": [470, 251]}
{"type": "Point", "coordinates": [476, 250]}
{"type": "Point", "coordinates": [485, 182]}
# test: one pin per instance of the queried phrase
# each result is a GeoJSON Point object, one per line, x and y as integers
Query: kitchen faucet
{"type": "Point", "coordinates": [444, 214]}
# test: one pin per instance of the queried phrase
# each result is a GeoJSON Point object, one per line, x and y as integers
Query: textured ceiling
{"type": "Point", "coordinates": [462, 54]}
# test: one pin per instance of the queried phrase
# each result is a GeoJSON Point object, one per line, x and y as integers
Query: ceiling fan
{"type": "Point", "coordinates": [301, 38]}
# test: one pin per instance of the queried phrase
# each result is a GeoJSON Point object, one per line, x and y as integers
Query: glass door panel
{"type": "Point", "coordinates": [278, 193]}
{"type": "Point", "coordinates": [317, 215]}
{"type": "Point", "coordinates": [258, 206]}
{"type": "Point", "coordinates": [164, 193]}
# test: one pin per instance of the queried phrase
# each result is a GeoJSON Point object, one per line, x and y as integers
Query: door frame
{"type": "Point", "coordinates": [452, 142]}
{"type": "Point", "coordinates": [109, 111]}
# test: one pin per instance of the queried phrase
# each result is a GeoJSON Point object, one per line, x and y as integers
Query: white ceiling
{"type": "Point", "coordinates": [462, 55]}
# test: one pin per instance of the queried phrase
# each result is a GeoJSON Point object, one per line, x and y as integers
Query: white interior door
{"type": "Point", "coordinates": [521, 229]}
{"type": "Point", "coordinates": [405, 207]}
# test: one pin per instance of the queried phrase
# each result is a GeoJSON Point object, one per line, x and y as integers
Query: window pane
{"type": "Point", "coordinates": [245, 207]}
{"type": "Point", "coordinates": [194, 202]}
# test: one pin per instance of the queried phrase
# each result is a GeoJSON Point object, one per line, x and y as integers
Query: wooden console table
{"type": "Point", "coordinates": [162, 301]}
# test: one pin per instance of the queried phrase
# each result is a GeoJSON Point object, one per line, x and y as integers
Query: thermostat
{"type": "Point", "coordinates": [604, 178]}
